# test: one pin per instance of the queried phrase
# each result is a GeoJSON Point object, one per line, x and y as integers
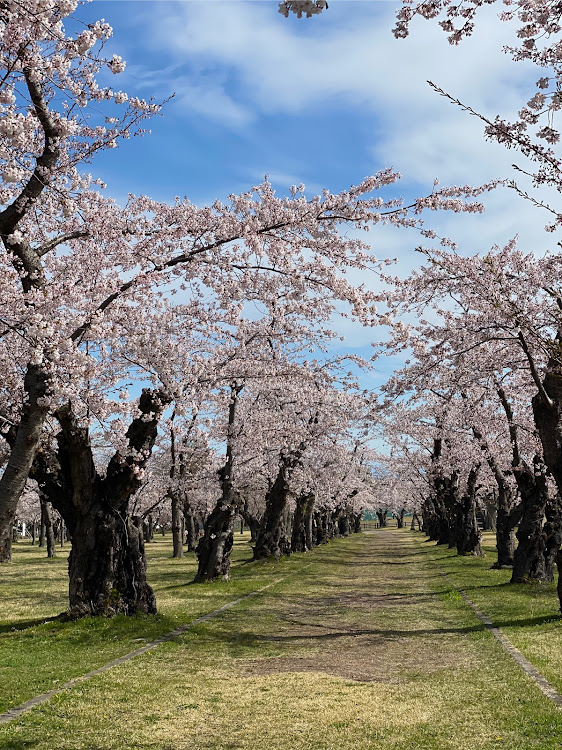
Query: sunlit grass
{"type": "Point", "coordinates": [527, 613]}
{"type": "Point", "coordinates": [367, 647]}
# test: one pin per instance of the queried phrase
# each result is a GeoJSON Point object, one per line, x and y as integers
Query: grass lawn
{"type": "Point", "coordinates": [366, 647]}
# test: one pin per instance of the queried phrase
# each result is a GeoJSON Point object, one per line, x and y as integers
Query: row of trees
{"type": "Point", "coordinates": [169, 350]}
{"type": "Point", "coordinates": [209, 322]}
{"type": "Point", "coordinates": [477, 410]}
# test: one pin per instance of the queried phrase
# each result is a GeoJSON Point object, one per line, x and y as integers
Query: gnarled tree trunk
{"type": "Point", "coordinates": [107, 565]}
{"type": "Point", "coordinates": [215, 546]}
{"type": "Point", "coordinates": [529, 558]}
{"type": "Point", "coordinates": [274, 538]}
{"type": "Point", "coordinates": [468, 536]}
{"type": "Point", "coordinates": [301, 537]}
{"type": "Point", "coordinates": [23, 449]}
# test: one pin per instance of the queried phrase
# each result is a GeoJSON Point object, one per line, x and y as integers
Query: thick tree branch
{"type": "Point", "coordinates": [534, 372]}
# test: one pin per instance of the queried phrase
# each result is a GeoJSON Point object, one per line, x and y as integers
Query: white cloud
{"type": "Point", "coordinates": [245, 60]}
{"type": "Point", "coordinates": [239, 61]}
{"type": "Point", "coordinates": [209, 98]}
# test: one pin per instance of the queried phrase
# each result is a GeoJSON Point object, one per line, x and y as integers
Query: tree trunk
{"type": "Point", "coordinates": [107, 564]}
{"type": "Point", "coordinates": [430, 519]}
{"type": "Point", "coordinates": [23, 450]}
{"type": "Point", "coordinates": [177, 531]}
{"type": "Point", "coordinates": [6, 544]}
{"type": "Point", "coordinates": [274, 535]}
{"type": "Point", "coordinates": [505, 539]}
{"type": "Point", "coordinates": [301, 536]}
{"type": "Point", "coordinates": [148, 528]}
{"type": "Point", "coordinates": [441, 531]}
{"type": "Point", "coordinates": [191, 527]}
{"type": "Point", "coordinates": [559, 586]}
{"type": "Point", "coordinates": [310, 540]}
{"type": "Point", "coordinates": [381, 515]}
{"type": "Point", "coordinates": [529, 558]}
{"type": "Point", "coordinates": [320, 526]}
{"type": "Point", "coordinates": [252, 522]}
{"type": "Point", "coordinates": [47, 525]}
{"type": "Point", "coordinates": [344, 526]}
{"type": "Point", "coordinates": [42, 530]}
{"type": "Point", "coordinates": [547, 411]}
{"type": "Point", "coordinates": [552, 531]}
{"type": "Point", "coordinates": [468, 536]}
{"type": "Point", "coordinates": [215, 546]}
{"type": "Point", "coordinates": [490, 511]}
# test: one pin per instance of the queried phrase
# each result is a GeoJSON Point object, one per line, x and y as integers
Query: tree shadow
{"type": "Point", "coordinates": [9, 627]}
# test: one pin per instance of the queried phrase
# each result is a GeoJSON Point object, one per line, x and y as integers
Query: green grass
{"type": "Point", "coordinates": [38, 653]}
{"type": "Point", "coordinates": [367, 647]}
{"type": "Point", "coordinates": [527, 613]}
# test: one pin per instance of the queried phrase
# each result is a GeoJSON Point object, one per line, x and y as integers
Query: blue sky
{"type": "Point", "coordinates": [324, 101]}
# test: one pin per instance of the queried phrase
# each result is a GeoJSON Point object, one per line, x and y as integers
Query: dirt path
{"type": "Point", "coordinates": [368, 648]}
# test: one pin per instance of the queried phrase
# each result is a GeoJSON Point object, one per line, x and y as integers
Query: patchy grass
{"type": "Point", "coordinates": [527, 613]}
{"type": "Point", "coordinates": [39, 652]}
{"type": "Point", "coordinates": [367, 647]}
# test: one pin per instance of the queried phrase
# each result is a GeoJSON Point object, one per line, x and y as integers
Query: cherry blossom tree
{"type": "Point", "coordinates": [48, 130]}
{"type": "Point", "coordinates": [90, 302]}
{"type": "Point", "coordinates": [492, 347]}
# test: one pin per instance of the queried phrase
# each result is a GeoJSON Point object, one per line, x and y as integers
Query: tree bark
{"type": "Point", "coordinates": [191, 527]}
{"type": "Point", "coordinates": [508, 512]}
{"type": "Point", "coordinates": [505, 538]}
{"type": "Point", "coordinates": [47, 525]}
{"type": "Point", "coordinates": [344, 525]}
{"type": "Point", "coordinates": [177, 529]}
{"type": "Point", "coordinates": [274, 538]}
{"type": "Point", "coordinates": [23, 450]}
{"type": "Point", "coordinates": [301, 537]}
{"type": "Point", "coordinates": [468, 536]}
{"type": "Point", "coordinates": [6, 544]}
{"type": "Point", "coordinates": [253, 523]}
{"type": "Point", "coordinates": [215, 546]}
{"type": "Point", "coordinates": [529, 563]}
{"type": "Point", "coordinates": [320, 526]}
{"type": "Point", "coordinates": [107, 564]}
{"type": "Point", "coordinates": [381, 515]}
{"type": "Point", "coordinates": [148, 528]}
{"type": "Point", "coordinates": [553, 535]}
{"type": "Point", "coordinates": [559, 567]}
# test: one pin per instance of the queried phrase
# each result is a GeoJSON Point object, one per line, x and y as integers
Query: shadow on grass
{"type": "Point", "coordinates": [378, 634]}
{"type": "Point", "coordinates": [11, 627]}
{"type": "Point", "coordinates": [529, 621]}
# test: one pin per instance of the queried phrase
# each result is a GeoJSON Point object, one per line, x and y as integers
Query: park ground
{"type": "Point", "coordinates": [360, 644]}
